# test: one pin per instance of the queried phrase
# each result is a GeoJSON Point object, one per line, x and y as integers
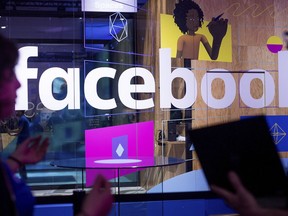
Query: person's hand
{"type": "Point", "coordinates": [218, 28]}
{"type": "Point", "coordinates": [99, 200]}
{"type": "Point", "coordinates": [32, 150]}
{"type": "Point", "coordinates": [242, 200]}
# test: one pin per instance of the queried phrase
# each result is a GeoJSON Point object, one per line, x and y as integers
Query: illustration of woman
{"type": "Point", "coordinates": [189, 18]}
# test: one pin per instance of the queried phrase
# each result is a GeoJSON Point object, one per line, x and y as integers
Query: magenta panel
{"type": "Point", "coordinates": [107, 149]}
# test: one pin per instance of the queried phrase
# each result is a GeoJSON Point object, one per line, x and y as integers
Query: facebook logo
{"type": "Point", "coordinates": [120, 147]}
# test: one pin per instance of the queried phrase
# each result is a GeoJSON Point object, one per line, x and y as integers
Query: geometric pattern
{"type": "Point", "coordinates": [277, 133]}
{"type": "Point", "coordinates": [120, 150]}
{"type": "Point", "coordinates": [118, 26]}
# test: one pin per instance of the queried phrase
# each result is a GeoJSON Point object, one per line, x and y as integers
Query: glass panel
{"type": "Point", "coordinates": [99, 87]}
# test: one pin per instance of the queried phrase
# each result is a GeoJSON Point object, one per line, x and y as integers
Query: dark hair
{"type": "Point", "coordinates": [180, 13]}
{"type": "Point", "coordinates": [8, 54]}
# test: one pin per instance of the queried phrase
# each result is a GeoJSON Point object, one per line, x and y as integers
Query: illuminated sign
{"type": "Point", "coordinates": [126, 89]}
{"type": "Point", "coordinates": [109, 6]}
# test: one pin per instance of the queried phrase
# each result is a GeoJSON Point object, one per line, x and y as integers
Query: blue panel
{"type": "Point", "coordinates": [184, 207]}
{"type": "Point", "coordinates": [162, 208]}
{"type": "Point", "coordinates": [217, 206]}
{"type": "Point", "coordinates": [278, 126]}
{"type": "Point", "coordinates": [195, 207]}
{"type": "Point", "coordinates": [53, 209]}
{"type": "Point", "coordinates": [137, 208]}
{"type": "Point", "coordinates": [155, 208]}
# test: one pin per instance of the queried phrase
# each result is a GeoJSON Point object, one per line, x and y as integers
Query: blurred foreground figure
{"type": "Point", "coordinates": [15, 196]}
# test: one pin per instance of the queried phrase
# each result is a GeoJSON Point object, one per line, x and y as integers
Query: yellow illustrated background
{"type": "Point", "coordinates": [170, 34]}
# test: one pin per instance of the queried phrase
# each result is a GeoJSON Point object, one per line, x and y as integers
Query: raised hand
{"type": "Point", "coordinates": [99, 200]}
{"type": "Point", "coordinates": [218, 28]}
{"type": "Point", "coordinates": [243, 201]}
{"type": "Point", "coordinates": [31, 151]}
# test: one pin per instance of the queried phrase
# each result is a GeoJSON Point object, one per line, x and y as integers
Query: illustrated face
{"type": "Point", "coordinates": [8, 86]}
{"type": "Point", "coordinates": [192, 20]}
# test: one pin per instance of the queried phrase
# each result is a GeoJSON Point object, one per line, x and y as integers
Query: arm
{"type": "Point", "coordinates": [179, 54]}
{"type": "Point", "coordinates": [243, 201]}
{"type": "Point", "coordinates": [214, 51]}
{"type": "Point", "coordinates": [179, 47]}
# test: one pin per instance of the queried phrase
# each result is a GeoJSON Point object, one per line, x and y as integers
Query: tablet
{"type": "Point", "coordinates": [246, 147]}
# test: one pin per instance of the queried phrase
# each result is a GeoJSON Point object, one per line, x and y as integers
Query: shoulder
{"type": "Point", "coordinates": [182, 37]}
{"type": "Point", "coordinates": [202, 38]}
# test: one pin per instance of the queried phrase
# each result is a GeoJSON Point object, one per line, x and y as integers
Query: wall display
{"type": "Point", "coordinates": [169, 40]}
{"type": "Point", "coordinates": [186, 40]}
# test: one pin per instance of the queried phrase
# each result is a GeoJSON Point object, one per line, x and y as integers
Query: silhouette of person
{"type": "Point", "coordinates": [189, 18]}
{"type": "Point", "coordinates": [16, 197]}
